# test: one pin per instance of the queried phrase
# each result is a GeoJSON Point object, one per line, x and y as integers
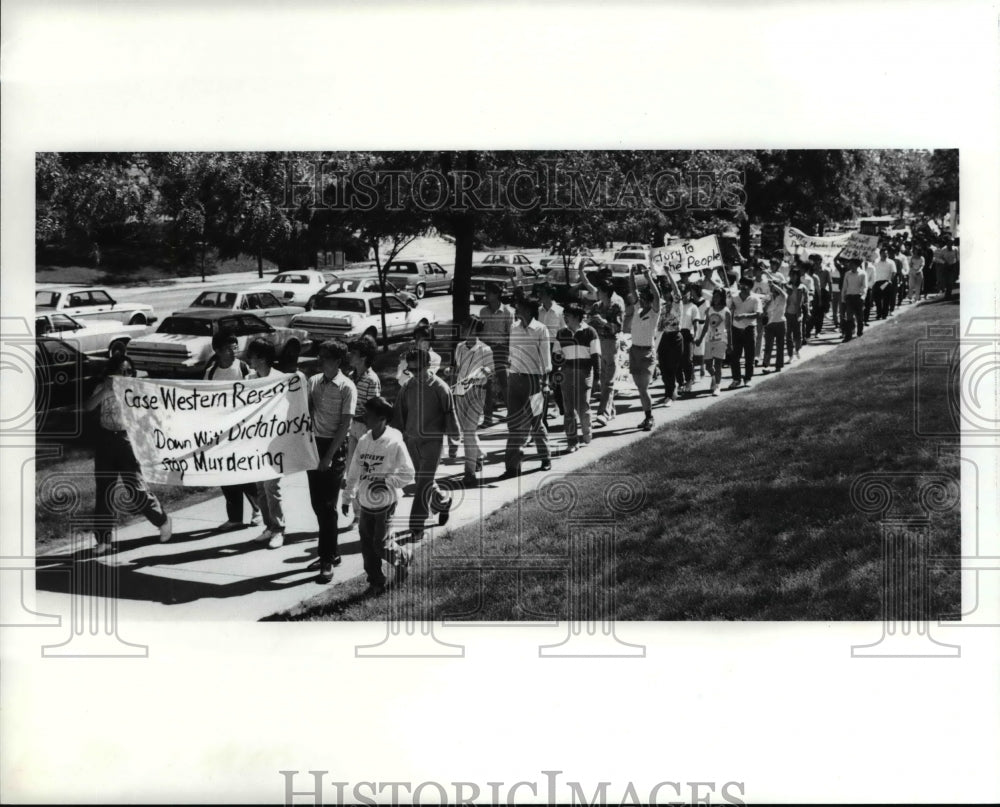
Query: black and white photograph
{"type": "Point", "coordinates": [551, 403]}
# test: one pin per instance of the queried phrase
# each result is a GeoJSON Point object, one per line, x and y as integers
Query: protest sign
{"type": "Point", "coordinates": [797, 241]}
{"type": "Point", "coordinates": [860, 248]}
{"type": "Point", "coordinates": [208, 433]}
{"type": "Point", "coordinates": [689, 256]}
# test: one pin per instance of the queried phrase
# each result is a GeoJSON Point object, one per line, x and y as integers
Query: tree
{"type": "Point", "coordinates": [942, 184]}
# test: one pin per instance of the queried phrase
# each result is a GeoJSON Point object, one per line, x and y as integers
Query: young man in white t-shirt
{"type": "Point", "coordinates": [380, 468]}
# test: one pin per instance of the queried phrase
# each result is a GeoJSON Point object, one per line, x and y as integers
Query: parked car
{"type": "Point", "coordinates": [635, 248]}
{"type": "Point", "coordinates": [361, 284]}
{"type": "Point", "coordinates": [349, 315]}
{"type": "Point", "coordinates": [182, 345]}
{"type": "Point", "coordinates": [95, 337]}
{"type": "Point", "coordinates": [260, 301]}
{"type": "Point", "coordinates": [296, 288]}
{"type": "Point", "coordinates": [567, 279]}
{"type": "Point", "coordinates": [93, 303]}
{"type": "Point", "coordinates": [510, 278]}
{"type": "Point", "coordinates": [63, 375]}
{"type": "Point", "coordinates": [620, 271]}
{"type": "Point", "coordinates": [515, 258]}
{"type": "Point", "coordinates": [641, 255]}
{"type": "Point", "coordinates": [419, 277]}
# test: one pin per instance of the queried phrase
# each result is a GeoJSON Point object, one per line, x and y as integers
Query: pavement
{"type": "Point", "coordinates": [202, 574]}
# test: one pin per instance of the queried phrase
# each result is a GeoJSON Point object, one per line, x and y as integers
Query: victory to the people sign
{"type": "Point", "coordinates": [689, 256]}
{"type": "Point", "coordinates": [207, 433]}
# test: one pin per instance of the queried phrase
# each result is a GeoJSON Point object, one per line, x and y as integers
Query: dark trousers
{"type": "Point", "coordinates": [774, 337]}
{"type": "Point", "coordinates": [324, 491]}
{"type": "Point", "coordinates": [869, 302]}
{"type": "Point", "coordinates": [114, 460]}
{"type": "Point", "coordinates": [376, 543]}
{"type": "Point", "coordinates": [496, 383]}
{"type": "Point", "coordinates": [523, 424]}
{"type": "Point", "coordinates": [793, 333]}
{"type": "Point", "coordinates": [670, 356]}
{"type": "Point", "coordinates": [425, 453]}
{"type": "Point", "coordinates": [854, 316]}
{"type": "Point", "coordinates": [687, 356]}
{"type": "Point", "coordinates": [882, 292]}
{"type": "Point", "coordinates": [555, 390]}
{"type": "Point", "coordinates": [234, 500]}
{"type": "Point", "coordinates": [744, 344]}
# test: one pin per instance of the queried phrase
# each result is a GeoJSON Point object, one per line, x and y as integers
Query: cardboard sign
{"type": "Point", "coordinates": [207, 433]}
{"type": "Point", "coordinates": [689, 256]}
{"type": "Point", "coordinates": [860, 248]}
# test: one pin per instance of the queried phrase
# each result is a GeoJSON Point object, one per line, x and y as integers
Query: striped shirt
{"type": "Point", "coordinates": [472, 362]}
{"type": "Point", "coordinates": [368, 386]}
{"type": "Point", "coordinates": [529, 349]}
{"type": "Point", "coordinates": [577, 347]}
{"type": "Point", "coordinates": [331, 400]}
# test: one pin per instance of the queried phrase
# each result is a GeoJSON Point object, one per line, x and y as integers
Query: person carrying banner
{"type": "Point", "coordinates": [332, 402]}
{"type": "Point", "coordinates": [774, 330]}
{"type": "Point", "coordinates": [746, 310]}
{"type": "Point", "coordinates": [261, 356]}
{"type": "Point", "coordinates": [719, 328]}
{"type": "Point", "coordinates": [380, 467]}
{"type": "Point", "coordinates": [473, 368]}
{"type": "Point", "coordinates": [115, 460]}
{"type": "Point", "coordinates": [497, 320]}
{"type": "Point", "coordinates": [224, 366]}
{"type": "Point", "coordinates": [424, 412]}
{"type": "Point", "coordinates": [530, 366]}
{"type": "Point", "coordinates": [641, 356]}
{"type": "Point", "coordinates": [579, 348]}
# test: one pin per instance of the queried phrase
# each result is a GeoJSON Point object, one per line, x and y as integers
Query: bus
{"type": "Point", "coordinates": [883, 225]}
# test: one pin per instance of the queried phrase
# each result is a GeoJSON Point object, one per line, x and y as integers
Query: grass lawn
{"type": "Point", "coordinates": [747, 513]}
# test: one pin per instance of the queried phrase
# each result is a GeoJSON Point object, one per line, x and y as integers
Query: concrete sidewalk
{"type": "Point", "coordinates": [202, 574]}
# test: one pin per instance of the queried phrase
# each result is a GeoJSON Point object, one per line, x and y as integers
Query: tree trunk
{"type": "Point", "coordinates": [260, 263]}
{"type": "Point", "coordinates": [465, 231]}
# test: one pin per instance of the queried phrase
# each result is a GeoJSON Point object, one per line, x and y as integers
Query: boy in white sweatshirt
{"type": "Point", "coordinates": [380, 467]}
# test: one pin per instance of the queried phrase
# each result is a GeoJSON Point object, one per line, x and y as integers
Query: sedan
{"type": "Point", "coordinates": [182, 345]}
{"type": "Point", "coordinates": [260, 301]}
{"type": "Point", "coordinates": [350, 315]}
{"type": "Point", "coordinates": [63, 375]}
{"type": "Point", "coordinates": [516, 258]}
{"type": "Point", "coordinates": [296, 288]}
{"type": "Point", "coordinates": [96, 303]}
{"type": "Point", "coordinates": [95, 337]}
{"type": "Point", "coordinates": [353, 285]}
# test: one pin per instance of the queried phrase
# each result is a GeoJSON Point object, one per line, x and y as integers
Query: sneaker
{"type": "Point", "coordinates": [325, 573]}
{"type": "Point", "coordinates": [572, 449]}
{"type": "Point", "coordinates": [256, 519]}
{"type": "Point", "coordinates": [166, 530]}
{"type": "Point", "coordinates": [267, 535]}
{"type": "Point", "coordinates": [470, 480]}
{"type": "Point", "coordinates": [277, 541]}
{"type": "Point", "coordinates": [669, 401]}
{"type": "Point", "coordinates": [715, 392]}
{"type": "Point", "coordinates": [230, 525]}
{"type": "Point", "coordinates": [647, 424]}
{"type": "Point", "coordinates": [734, 385]}
{"type": "Point", "coordinates": [600, 422]}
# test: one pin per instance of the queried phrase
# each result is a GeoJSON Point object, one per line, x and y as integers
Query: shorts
{"type": "Point", "coordinates": [641, 359]}
{"type": "Point", "coordinates": [715, 350]}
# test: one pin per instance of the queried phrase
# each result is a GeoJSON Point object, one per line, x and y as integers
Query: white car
{"type": "Point", "coordinates": [95, 337]}
{"type": "Point", "coordinates": [347, 316]}
{"type": "Point", "coordinates": [514, 258]}
{"type": "Point", "coordinates": [260, 301]}
{"type": "Point", "coordinates": [92, 303]}
{"type": "Point", "coordinates": [640, 255]}
{"type": "Point", "coordinates": [295, 288]}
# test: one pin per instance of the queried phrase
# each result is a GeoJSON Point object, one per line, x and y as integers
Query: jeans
{"type": "Point", "coordinates": [687, 356]}
{"type": "Point", "coordinates": [468, 410]}
{"type": "Point", "coordinates": [269, 499]}
{"type": "Point", "coordinates": [774, 337]}
{"type": "Point", "coordinates": [744, 343]}
{"type": "Point", "coordinates": [882, 292]}
{"type": "Point", "coordinates": [378, 543]}
{"type": "Point", "coordinates": [496, 383]}
{"type": "Point", "coordinates": [425, 452]}
{"type": "Point", "coordinates": [114, 460]}
{"type": "Point", "coordinates": [670, 355]}
{"type": "Point", "coordinates": [523, 423]}
{"type": "Point", "coordinates": [609, 367]}
{"type": "Point", "coordinates": [324, 491]}
{"type": "Point", "coordinates": [853, 315]}
{"type": "Point", "coordinates": [576, 383]}
{"type": "Point", "coordinates": [793, 334]}
{"type": "Point", "coordinates": [234, 500]}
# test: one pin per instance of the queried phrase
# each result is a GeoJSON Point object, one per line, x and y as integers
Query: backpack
{"type": "Point", "coordinates": [213, 366]}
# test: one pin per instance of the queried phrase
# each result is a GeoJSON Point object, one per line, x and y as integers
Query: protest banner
{"type": "Point", "coordinates": [208, 433]}
{"type": "Point", "coordinates": [860, 248]}
{"type": "Point", "coordinates": [689, 256]}
{"type": "Point", "coordinates": [797, 241]}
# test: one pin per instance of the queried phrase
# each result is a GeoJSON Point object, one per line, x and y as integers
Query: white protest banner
{"type": "Point", "coordinates": [690, 256]}
{"type": "Point", "coordinates": [797, 242]}
{"type": "Point", "coordinates": [208, 433]}
{"type": "Point", "coordinates": [860, 248]}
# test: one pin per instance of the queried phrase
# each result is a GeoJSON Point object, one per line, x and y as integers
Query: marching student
{"type": "Point", "coordinates": [361, 355]}
{"type": "Point", "coordinates": [224, 366]}
{"type": "Point", "coordinates": [796, 307]}
{"type": "Point", "coordinates": [473, 368]}
{"type": "Point", "coordinates": [855, 291]}
{"type": "Point", "coordinates": [424, 412]}
{"type": "Point", "coordinates": [836, 281]}
{"type": "Point", "coordinates": [421, 341]}
{"type": "Point", "coordinates": [762, 288]}
{"type": "Point", "coordinates": [701, 301]}
{"type": "Point", "coordinates": [670, 349]}
{"type": "Point", "coordinates": [332, 402]}
{"type": "Point", "coordinates": [641, 354]}
{"type": "Point", "coordinates": [114, 459]}
{"type": "Point", "coordinates": [946, 265]}
{"type": "Point", "coordinates": [808, 279]}
{"type": "Point", "coordinates": [719, 327]}
{"type": "Point", "coordinates": [689, 327]}
{"type": "Point", "coordinates": [746, 310]}
{"type": "Point", "coordinates": [774, 330]}
{"type": "Point", "coordinates": [550, 314]}
{"type": "Point", "coordinates": [530, 366]}
{"type": "Point", "coordinates": [497, 320]}
{"type": "Point", "coordinates": [821, 303]}
{"type": "Point", "coordinates": [380, 467]}
{"type": "Point", "coordinates": [916, 284]}
{"type": "Point", "coordinates": [260, 356]}
{"type": "Point", "coordinates": [606, 318]}
{"type": "Point", "coordinates": [579, 348]}
{"type": "Point", "coordinates": [885, 271]}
